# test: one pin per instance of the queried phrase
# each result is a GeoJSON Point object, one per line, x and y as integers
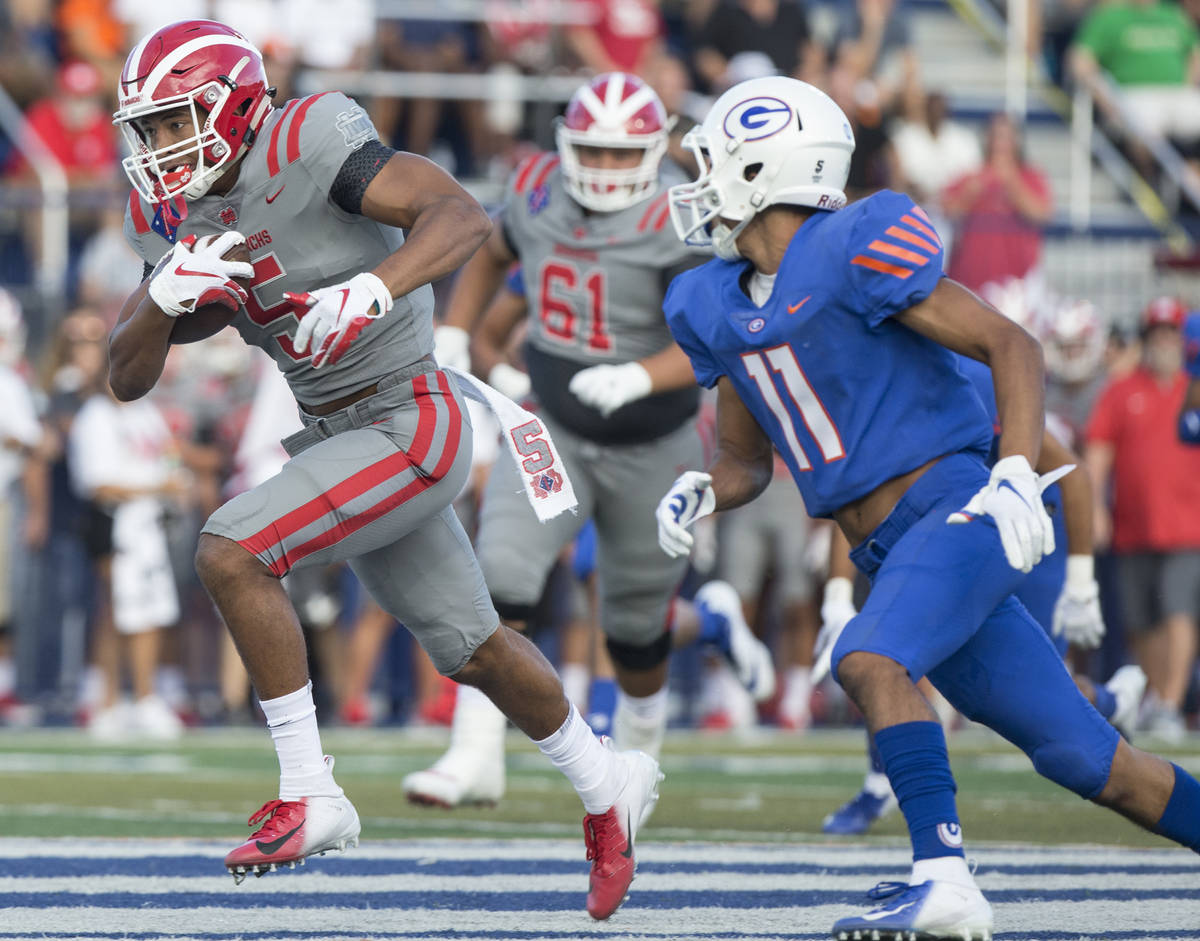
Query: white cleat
{"type": "Point", "coordinates": [721, 617]}
{"type": "Point", "coordinates": [1128, 686]}
{"type": "Point", "coordinates": [460, 778]}
{"type": "Point", "coordinates": [930, 911]}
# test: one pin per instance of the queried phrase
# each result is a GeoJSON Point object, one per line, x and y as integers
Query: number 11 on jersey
{"type": "Point", "coordinates": [782, 360]}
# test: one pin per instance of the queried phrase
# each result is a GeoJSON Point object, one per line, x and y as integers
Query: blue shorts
{"type": "Point", "coordinates": [941, 605]}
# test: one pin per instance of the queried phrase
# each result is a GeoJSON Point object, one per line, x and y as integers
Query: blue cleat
{"type": "Point", "coordinates": [723, 627]}
{"type": "Point", "coordinates": [857, 814]}
{"type": "Point", "coordinates": [931, 911]}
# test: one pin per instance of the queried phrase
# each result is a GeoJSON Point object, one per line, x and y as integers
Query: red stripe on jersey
{"type": "Point", "coordinates": [921, 227]}
{"type": "Point", "coordinates": [662, 217]}
{"type": "Point", "coordinates": [896, 232]}
{"type": "Point", "coordinates": [140, 225]}
{"type": "Point", "coordinates": [883, 266]}
{"type": "Point", "coordinates": [655, 204]}
{"type": "Point", "coordinates": [887, 248]}
{"type": "Point", "coordinates": [344, 528]}
{"type": "Point", "coordinates": [293, 138]}
{"type": "Point", "coordinates": [526, 170]}
{"type": "Point", "coordinates": [545, 172]}
{"type": "Point", "coordinates": [272, 145]}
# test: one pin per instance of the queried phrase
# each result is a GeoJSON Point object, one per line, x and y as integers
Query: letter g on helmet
{"type": "Point", "coordinates": [765, 142]}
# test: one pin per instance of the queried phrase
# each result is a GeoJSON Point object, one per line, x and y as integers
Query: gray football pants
{"type": "Point", "coordinates": [372, 485]}
{"type": "Point", "coordinates": [617, 485]}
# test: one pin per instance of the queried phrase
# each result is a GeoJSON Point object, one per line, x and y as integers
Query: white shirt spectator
{"type": "Point", "coordinates": [19, 426]}
{"type": "Point", "coordinates": [930, 161]}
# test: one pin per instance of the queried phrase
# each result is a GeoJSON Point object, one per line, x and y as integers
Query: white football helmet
{"type": "Point", "coordinates": [619, 111]}
{"type": "Point", "coordinates": [765, 142]}
{"type": "Point", "coordinates": [12, 329]}
{"type": "Point", "coordinates": [1075, 342]}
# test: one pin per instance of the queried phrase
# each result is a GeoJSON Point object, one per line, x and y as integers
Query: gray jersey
{"type": "Point", "coordinates": [594, 283]}
{"type": "Point", "coordinates": [299, 240]}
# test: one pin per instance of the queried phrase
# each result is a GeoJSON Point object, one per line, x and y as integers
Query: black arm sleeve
{"type": "Point", "coordinates": [356, 174]}
{"type": "Point", "coordinates": [147, 270]}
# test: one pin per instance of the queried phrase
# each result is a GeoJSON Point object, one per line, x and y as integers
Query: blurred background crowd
{"type": "Point", "coordinates": [1053, 141]}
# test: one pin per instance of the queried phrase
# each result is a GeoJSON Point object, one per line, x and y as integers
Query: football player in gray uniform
{"type": "Point", "coordinates": [340, 298]}
{"type": "Point", "coordinates": [590, 226]}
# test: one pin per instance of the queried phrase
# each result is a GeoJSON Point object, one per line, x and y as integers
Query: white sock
{"type": "Point", "coordinates": [797, 688]}
{"type": "Point", "coordinates": [292, 722]}
{"type": "Point", "coordinates": [942, 869]}
{"type": "Point", "coordinates": [877, 783]}
{"type": "Point", "coordinates": [477, 724]}
{"type": "Point", "coordinates": [576, 680]}
{"type": "Point", "coordinates": [591, 768]}
{"type": "Point", "coordinates": [640, 722]}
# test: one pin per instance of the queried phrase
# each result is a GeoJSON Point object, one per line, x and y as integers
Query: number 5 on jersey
{"type": "Point", "coordinates": [782, 361]}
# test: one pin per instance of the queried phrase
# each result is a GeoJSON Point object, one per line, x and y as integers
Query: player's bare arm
{"type": "Point", "coordinates": [1076, 490]}
{"type": "Point", "coordinates": [743, 464]}
{"type": "Point", "coordinates": [492, 338]}
{"type": "Point", "coordinates": [479, 280]}
{"type": "Point", "coordinates": [444, 223]}
{"type": "Point", "coordinates": [954, 317]}
{"type": "Point", "coordinates": [669, 369]}
{"type": "Point", "coordinates": [138, 345]}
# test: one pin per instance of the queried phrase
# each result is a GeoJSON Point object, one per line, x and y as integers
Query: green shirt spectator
{"type": "Point", "coordinates": [1140, 43]}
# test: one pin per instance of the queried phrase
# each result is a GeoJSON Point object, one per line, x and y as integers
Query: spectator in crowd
{"type": "Point", "coordinates": [998, 212]}
{"type": "Point", "coordinates": [1152, 51]}
{"type": "Point", "coordinates": [1154, 524]}
{"type": "Point", "coordinates": [1052, 28]}
{"type": "Point", "coordinates": [930, 149]}
{"type": "Point", "coordinates": [92, 31]}
{"type": "Point", "coordinates": [28, 49]}
{"type": "Point", "coordinates": [778, 28]}
{"type": "Point", "coordinates": [620, 36]}
{"type": "Point", "coordinates": [873, 41]}
{"type": "Point", "coordinates": [109, 271]}
{"type": "Point", "coordinates": [22, 515]}
{"type": "Point", "coordinates": [1189, 415]}
{"type": "Point", "coordinates": [123, 458]}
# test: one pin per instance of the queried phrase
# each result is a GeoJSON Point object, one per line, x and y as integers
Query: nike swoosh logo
{"type": "Point", "coordinates": [792, 308]}
{"type": "Point", "coordinates": [267, 847]}
{"type": "Point", "coordinates": [271, 198]}
{"type": "Point", "coordinates": [194, 274]}
{"type": "Point", "coordinates": [883, 913]}
{"type": "Point", "coordinates": [628, 851]}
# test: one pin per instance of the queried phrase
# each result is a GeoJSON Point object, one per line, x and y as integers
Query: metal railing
{"type": "Point", "coordinates": [53, 239]}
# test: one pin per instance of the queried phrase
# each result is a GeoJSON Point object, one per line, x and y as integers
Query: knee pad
{"type": "Point", "coordinates": [1071, 765]}
{"type": "Point", "coordinates": [637, 656]}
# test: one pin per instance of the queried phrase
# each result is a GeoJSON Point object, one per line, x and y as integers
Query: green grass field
{"type": "Point", "coordinates": [763, 787]}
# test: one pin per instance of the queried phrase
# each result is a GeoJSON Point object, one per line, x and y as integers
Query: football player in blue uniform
{"type": "Point", "coordinates": [1189, 415]}
{"type": "Point", "coordinates": [1060, 593]}
{"type": "Point", "coordinates": [829, 332]}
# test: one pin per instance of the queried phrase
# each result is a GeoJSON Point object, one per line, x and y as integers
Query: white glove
{"type": "Point", "coordinates": [689, 498]}
{"type": "Point", "coordinates": [836, 611]}
{"type": "Point", "coordinates": [330, 318]}
{"type": "Point", "coordinates": [193, 274]}
{"type": "Point", "coordinates": [1077, 613]}
{"type": "Point", "coordinates": [507, 380]}
{"type": "Point", "coordinates": [1013, 498]}
{"type": "Point", "coordinates": [452, 347]}
{"type": "Point", "coordinates": [607, 387]}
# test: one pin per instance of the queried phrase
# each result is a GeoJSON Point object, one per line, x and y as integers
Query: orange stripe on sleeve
{"type": "Point", "coordinates": [886, 267]}
{"type": "Point", "coordinates": [922, 215]}
{"type": "Point", "coordinates": [887, 248]}
{"type": "Point", "coordinates": [898, 233]}
{"type": "Point", "coordinates": [921, 227]}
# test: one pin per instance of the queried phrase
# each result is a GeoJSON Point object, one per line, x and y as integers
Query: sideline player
{"type": "Point", "coordinates": [1189, 415]}
{"type": "Point", "coordinates": [828, 332]}
{"type": "Point", "coordinates": [341, 300]}
{"type": "Point", "coordinates": [590, 226]}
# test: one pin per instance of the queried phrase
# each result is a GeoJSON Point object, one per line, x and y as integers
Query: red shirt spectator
{"type": "Point", "coordinates": [998, 212]}
{"type": "Point", "coordinates": [1156, 505]}
{"type": "Point", "coordinates": [622, 36]}
{"type": "Point", "coordinates": [75, 124]}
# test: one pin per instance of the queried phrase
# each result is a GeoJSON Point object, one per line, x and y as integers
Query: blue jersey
{"type": "Point", "coordinates": [850, 397]}
{"type": "Point", "coordinates": [1191, 344]}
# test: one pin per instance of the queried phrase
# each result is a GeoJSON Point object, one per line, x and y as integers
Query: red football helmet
{"type": "Point", "coordinates": [1165, 311]}
{"type": "Point", "coordinates": [1076, 341]}
{"type": "Point", "coordinates": [214, 72]}
{"type": "Point", "coordinates": [614, 110]}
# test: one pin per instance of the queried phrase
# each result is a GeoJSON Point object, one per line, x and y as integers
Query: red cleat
{"type": "Point", "coordinates": [609, 836]}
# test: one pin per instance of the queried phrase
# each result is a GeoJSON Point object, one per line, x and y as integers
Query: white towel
{"type": "Point", "coordinates": [547, 485]}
